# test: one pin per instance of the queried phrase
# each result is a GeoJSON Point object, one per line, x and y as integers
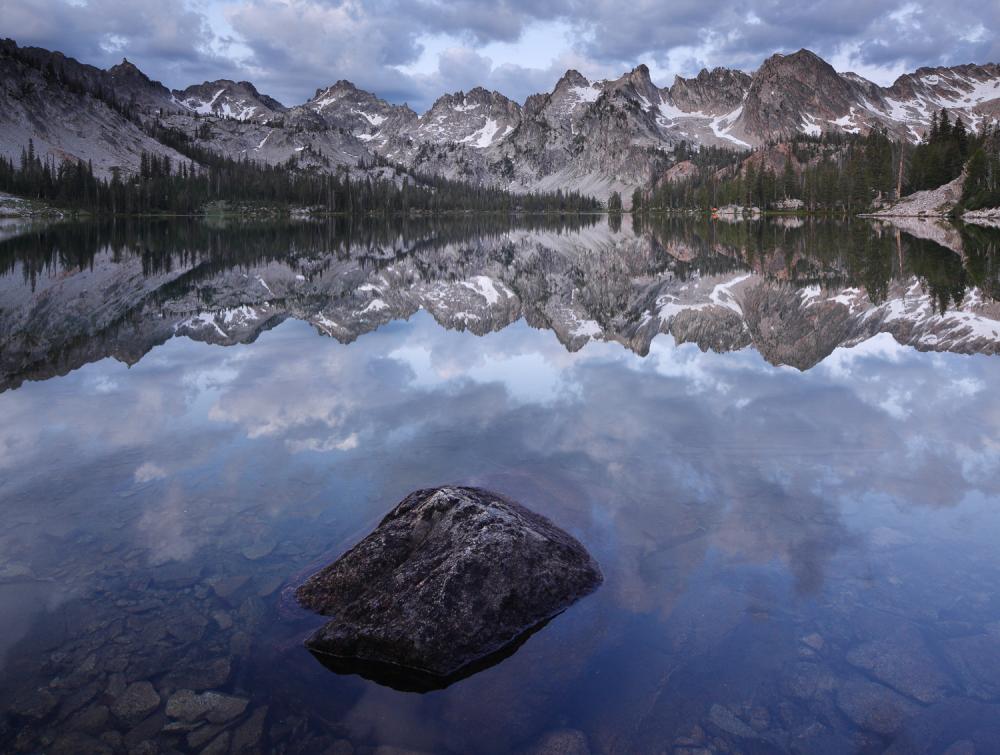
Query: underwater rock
{"type": "Point", "coordinates": [451, 581]}
{"type": "Point", "coordinates": [137, 701]}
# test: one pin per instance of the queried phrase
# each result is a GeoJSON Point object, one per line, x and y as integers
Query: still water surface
{"type": "Point", "coordinates": [797, 525]}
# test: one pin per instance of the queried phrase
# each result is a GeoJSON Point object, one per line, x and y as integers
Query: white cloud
{"type": "Point", "coordinates": [842, 361]}
{"type": "Point", "coordinates": [406, 50]}
{"type": "Point", "coordinates": [149, 471]}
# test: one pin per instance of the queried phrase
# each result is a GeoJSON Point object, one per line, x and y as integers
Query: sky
{"type": "Point", "coordinates": [415, 50]}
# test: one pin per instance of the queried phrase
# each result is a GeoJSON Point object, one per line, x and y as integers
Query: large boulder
{"type": "Point", "coordinates": [452, 580]}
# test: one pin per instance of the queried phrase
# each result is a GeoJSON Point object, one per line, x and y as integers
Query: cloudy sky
{"type": "Point", "coordinates": [413, 50]}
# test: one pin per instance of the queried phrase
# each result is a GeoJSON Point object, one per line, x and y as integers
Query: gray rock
{"type": "Point", "coordinates": [211, 706]}
{"type": "Point", "coordinates": [873, 707]}
{"type": "Point", "coordinates": [248, 735]}
{"type": "Point", "coordinates": [816, 739]}
{"type": "Point", "coordinates": [147, 729]}
{"type": "Point", "coordinates": [145, 747]}
{"type": "Point", "coordinates": [176, 575]}
{"type": "Point", "coordinates": [258, 550]}
{"type": "Point", "coordinates": [218, 746]}
{"type": "Point", "coordinates": [199, 737]}
{"type": "Point", "coordinates": [182, 727]}
{"type": "Point", "coordinates": [976, 659]}
{"type": "Point", "coordinates": [449, 578]}
{"type": "Point", "coordinates": [211, 675]}
{"type": "Point", "coordinates": [562, 742]}
{"type": "Point", "coordinates": [73, 702]}
{"type": "Point", "coordinates": [904, 663]}
{"type": "Point", "coordinates": [137, 701]}
{"type": "Point", "coordinates": [726, 720]}
{"type": "Point", "coordinates": [92, 720]}
{"type": "Point", "coordinates": [227, 587]}
{"type": "Point", "coordinates": [223, 619]}
{"type": "Point", "coordinates": [116, 685]}
{"type": "Point", "coordinates": [967, 725]}
{"type": "Point", "coordinates": [808, 681]}
{"type": "Point", "coordinates": [113, 739]}
{"type": "Point", "coordinates": [36, 703]}
{"type": "Point", "coordinates": [814, 641]}
{"type": "Point", "coordinates": [267, 586]}
{"type": "Point", "coordinates": [76, 743]}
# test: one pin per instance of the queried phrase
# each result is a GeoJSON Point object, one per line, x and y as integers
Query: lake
{"type": "Point", "coordinates": [778, 438]}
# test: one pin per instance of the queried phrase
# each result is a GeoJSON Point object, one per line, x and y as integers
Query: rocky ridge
{"type": "Point", "coordinates": [594, 136]}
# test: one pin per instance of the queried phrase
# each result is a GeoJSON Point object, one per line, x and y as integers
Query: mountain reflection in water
{"type": "Point", "coordinates": [793, 290]}
{"type": "Point", "coordinates": [795, 560]}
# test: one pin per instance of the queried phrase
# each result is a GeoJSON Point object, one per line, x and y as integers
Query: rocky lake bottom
{"type": "Point", "coordinates": [779, 443]}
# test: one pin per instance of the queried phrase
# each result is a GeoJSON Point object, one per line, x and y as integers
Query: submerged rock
{"type": "Point", "coordinates": [213, 707]}
{"type": "Point", "coordinates": [137, 701]}
{"type": "Point", "coordinates": [452, 580]}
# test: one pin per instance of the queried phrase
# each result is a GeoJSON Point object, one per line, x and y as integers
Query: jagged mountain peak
{"type": "Point", "coordinates": [857, 78]}
{"type": "Point", "coordinates": [364, 115]}
{"type": "Point", "coordinates": [126, 67]}
{"type": "Point", "coordinates": [713, 76]}
{"type": "Point", "coordinates": [800, 64]}
{"type": "Point", "coordinates": [131, 84]}
{"type": "Point", "coordinates": [344, 97]}
{"type": "Point", "coordinates": [713, 92]}
{"type": "Point", "coordinates": [637, 81]}
{"type": "Point", "coordinates": [339, 88]}
{"type": "Point", "coordinates": [635, 87]}
{"type": "Point", "coordinates": [229, 99]}
{"type": "Point", "coordinates": [475, 97]}
{"type": "Point", "coordinates": [572, 94]}
{"type": "Point", "coordinates": [572, 78]}
{"type": "Point", "coordinates": [129, 71]}
{"type": "Point", "coordinates": [639, 74]}
{"type": "Point", "coordinates": [796, 93]}
{"type": "Point", "coordinates": [479, 118]}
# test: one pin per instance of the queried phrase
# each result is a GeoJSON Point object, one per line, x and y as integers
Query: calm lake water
{"type": "Point", "coordinates": [780, 441]}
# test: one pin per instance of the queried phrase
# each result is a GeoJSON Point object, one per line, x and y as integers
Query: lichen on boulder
{"type": "Point", "coordinates": [452, 580]}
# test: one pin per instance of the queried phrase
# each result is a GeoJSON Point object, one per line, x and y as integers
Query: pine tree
{"type": "Point", "coordinates": [637, 201]}
{"type": "Point", "coordinates": [789, 182]}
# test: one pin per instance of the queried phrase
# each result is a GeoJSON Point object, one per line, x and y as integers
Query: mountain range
{"type": "Point", "coordinates": [593, 136]}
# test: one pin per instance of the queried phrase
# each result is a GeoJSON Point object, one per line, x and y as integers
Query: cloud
{"type": "Point", "coordinates": [167, 529]}
{"type": "Point", "coordinates": [291, 47]}
{"type": "Point", "coordinates": [149, 471]}
{"type": "Point", "coordinates": [169, 39]}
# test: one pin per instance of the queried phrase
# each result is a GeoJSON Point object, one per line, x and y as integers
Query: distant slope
{"type": "Point", "coordinates": [50, 104]}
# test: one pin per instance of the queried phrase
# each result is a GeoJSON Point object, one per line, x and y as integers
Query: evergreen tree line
{"type": "Point", "coordinates": [982, 173]}
{"type": "Point", "coordinates": [841, 173]}
{"type": "Point", "coordinates": [834, 173]}
{"type": "Point", "coordinates": [166, 244]}
{"type": "Point", "coordinates": [837, 254]}
{"type": "Point", "coordinates": [186, 187]}
{"type": "Point", "coordinates": [941, 154]}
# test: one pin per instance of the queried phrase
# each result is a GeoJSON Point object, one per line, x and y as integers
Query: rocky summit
{"type": "Point", "coordinates": [592, 136]}
{"type": "Point", "coordinates": [451, 580]}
